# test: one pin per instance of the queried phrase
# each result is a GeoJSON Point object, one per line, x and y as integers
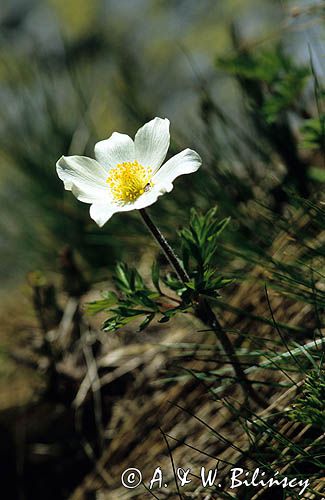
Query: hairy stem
{"type": "Point", "coordinates": [165, 246]}
{"type": "Point", "coordinates": [203, 309]}
{"type": "Point", "coordinates": [207, 316]}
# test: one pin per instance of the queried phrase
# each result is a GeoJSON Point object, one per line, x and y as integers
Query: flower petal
{"type": "Point", "coordinates": [185, 162]}
{"type": "Point", "coordinates": [83, 176]}
{"type": "Point", "coordinates": [152, 142]}
{"type": "Point", "coordinates": [149, 198]}
{"type": "Point", "coordinates": [102, 211]}
{"type": "Point", "coordinates": [116, 149]}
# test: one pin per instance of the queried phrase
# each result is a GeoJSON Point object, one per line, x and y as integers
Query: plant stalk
{"type": "Point", "coordinates": [203, 309]}
{"type": "Point", "coordinates": [165, 246]}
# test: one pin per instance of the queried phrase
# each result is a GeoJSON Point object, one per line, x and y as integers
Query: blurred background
{"type": "Point", "coordinates": [239, 80]}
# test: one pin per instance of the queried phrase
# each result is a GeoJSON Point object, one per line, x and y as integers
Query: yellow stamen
{"type": "Point", "coordinates": [129, 180]}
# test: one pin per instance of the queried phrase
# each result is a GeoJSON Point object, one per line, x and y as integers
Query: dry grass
{"type": "Point", "coordinates": [185, 409]}
{"type": "Point", "coordinates": [128, 378]}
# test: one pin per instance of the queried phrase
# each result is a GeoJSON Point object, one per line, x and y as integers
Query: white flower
{"type": "Point", "coordinates": [126, 174]}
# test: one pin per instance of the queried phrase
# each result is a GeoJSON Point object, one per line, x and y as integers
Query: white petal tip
{"type": "Point", "coordinates": [195, 158]}
{"type": "Point", "coordinates": [60, 170]}
{"type": "Point", "coordinates": [100, 213]}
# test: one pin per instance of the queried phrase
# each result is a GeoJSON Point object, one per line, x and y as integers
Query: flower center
{"type": "Point", "coordinates": [129, 180]}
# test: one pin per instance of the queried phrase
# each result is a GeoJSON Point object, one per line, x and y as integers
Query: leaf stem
{"type": "Point", "coordinates": [203, 309]}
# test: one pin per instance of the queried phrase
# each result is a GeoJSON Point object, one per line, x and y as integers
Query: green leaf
{"type": "Point", "coordinates": [313, 133]}
{"type": "Point", "coordinates": [270, 78]}
{"type": "Point", "coordinates": [109, 299]}
{"type": "Point", "coordinates": [155, 275]}
{"type": "Point", "coordinates": [128, 279]}
{"type": "Point", "coordinates": [199, 246]}
{"type": "Point", "coordinates": [146, 322]}
{"type": "Point", "coordinates": [317, 174]}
